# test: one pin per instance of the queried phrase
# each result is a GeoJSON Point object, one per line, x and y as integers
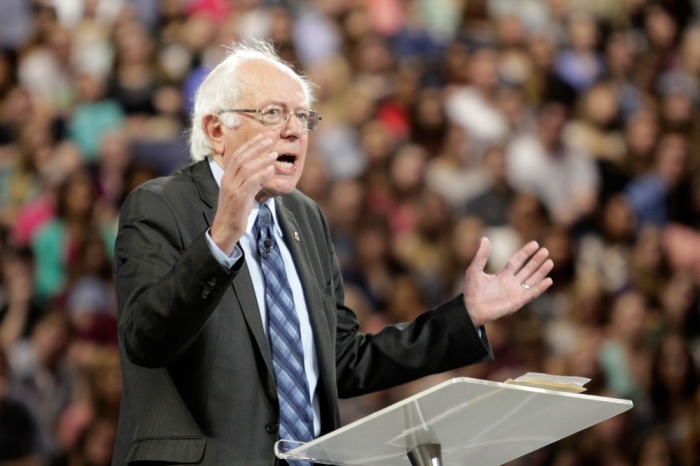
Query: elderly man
{"type": "Point", "coordinates": [233, 332]}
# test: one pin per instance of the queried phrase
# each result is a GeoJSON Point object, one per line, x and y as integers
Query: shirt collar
{"type": "Point", "coordinates": [218, 173]}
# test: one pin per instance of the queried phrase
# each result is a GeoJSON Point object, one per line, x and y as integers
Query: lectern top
{"type": "Point", "coordinates": [475, 421]}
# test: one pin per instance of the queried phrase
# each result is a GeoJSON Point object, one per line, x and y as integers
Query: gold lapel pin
{"type": "Point", "coordinates": [296, 236]}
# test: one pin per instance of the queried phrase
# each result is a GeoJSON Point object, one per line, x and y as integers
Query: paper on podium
{"type": "Point", "coordinates": [551, 382]}
{"type": "Point", "coordinates": [476, 422]}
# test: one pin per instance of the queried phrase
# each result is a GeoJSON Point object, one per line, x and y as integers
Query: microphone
{"type": "Point", "coordinates": [267, 249]}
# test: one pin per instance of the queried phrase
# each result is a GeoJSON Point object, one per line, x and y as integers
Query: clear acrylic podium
{"type": "Point", "coordinates": [459, 422]}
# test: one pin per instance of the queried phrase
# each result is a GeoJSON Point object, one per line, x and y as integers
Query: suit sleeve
{"type": "Point", "coordinates": [166, 289]}
{"type": "Point", "coordinates": [441, 339]}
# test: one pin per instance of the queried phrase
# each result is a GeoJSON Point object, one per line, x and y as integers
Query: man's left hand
{"type": "Point", "coordinates": [489, 297]}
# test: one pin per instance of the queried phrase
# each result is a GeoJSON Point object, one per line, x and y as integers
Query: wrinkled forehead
{"type": "Point", "coordinates": [263, 82]}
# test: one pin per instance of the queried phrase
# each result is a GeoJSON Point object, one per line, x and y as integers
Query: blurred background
{"type": "Point", "coordinates": [571, 122]}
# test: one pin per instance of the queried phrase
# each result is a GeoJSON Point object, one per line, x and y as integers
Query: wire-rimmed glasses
{"type": "Point", "coordinates": [275, 115]}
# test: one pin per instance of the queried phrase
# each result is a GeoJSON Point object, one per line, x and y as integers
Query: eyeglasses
{"type": "Point", "coordinates": [274, 115]}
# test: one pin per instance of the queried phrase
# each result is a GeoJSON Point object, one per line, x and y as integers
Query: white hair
{"type": "Point", "coordinates": [221, 90]}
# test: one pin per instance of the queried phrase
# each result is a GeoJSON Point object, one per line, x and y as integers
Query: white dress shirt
{"type": "Point", "coordinates": [247, 242]}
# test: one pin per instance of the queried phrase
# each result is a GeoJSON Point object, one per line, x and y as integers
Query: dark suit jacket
{"type": "Point", "coordinates": [198, 383]}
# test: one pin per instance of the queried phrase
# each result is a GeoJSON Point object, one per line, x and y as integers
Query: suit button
{"type": "Point", "coordinates": [272, 427]}
{"type": "Point", "coordinates": [205, 293]}
{"type": "Point", "coordinates": [212, 282]}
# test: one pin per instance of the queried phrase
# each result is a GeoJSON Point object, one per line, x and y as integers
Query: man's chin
{"type": "Point", "coordinates": [274, 189]}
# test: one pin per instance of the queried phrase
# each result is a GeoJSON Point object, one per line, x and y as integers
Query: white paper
{"type": "Point", "coordinates": [560, 379]}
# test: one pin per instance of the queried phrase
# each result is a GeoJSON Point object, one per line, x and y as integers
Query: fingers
{"type": "Point", "coordinates": [248, 163]}
{"type": "Point", "coordinates": [539, 275]}
{"type": "Point", "coordinates": [257, 179]}
{"type": "Point", "coordinates": [482, 255]}
{"type": "Point", "coordinates": [532, 265]}
{"type": "Point", "coordinates": [249, 174]}
{"type": "Point", "coordinates": [533, 275]}
{"type": "Point", "coordinates": [519, 258]}
{"type": "Point", "coordinates": [537, 289]}
{"type": "Point", "coordinates": [242, 149]}
{"type": "Point", "coordinates": [251, 150]}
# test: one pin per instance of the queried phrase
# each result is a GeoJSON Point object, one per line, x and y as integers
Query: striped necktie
{"type": "Point", "coordinates": [296, 415]}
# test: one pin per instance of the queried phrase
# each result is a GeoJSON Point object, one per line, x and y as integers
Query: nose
{"type": "Point", "coordinates": [293, 127]}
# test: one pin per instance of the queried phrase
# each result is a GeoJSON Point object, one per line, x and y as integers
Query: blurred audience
{"type": "Point", "coordinates": [571, 123]}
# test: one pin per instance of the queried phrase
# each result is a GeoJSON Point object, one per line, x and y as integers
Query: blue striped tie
{"type": "Point", "coordinates": [296, 416]}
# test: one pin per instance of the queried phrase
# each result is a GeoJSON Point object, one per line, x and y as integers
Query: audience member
{"type": "Point", "coordinates": [544, 163]}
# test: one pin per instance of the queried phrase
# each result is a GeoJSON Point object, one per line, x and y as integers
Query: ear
{"type": "Point", "coordinates": [213, 128]}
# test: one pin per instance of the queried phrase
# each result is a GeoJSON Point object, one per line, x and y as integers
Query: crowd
{"type": "Point", "coordinates": [570, 122]}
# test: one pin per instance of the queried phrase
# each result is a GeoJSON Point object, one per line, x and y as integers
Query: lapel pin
{"type": "Point", "coordinates": [296, 236]}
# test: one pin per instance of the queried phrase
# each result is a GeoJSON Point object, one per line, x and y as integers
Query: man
{"type": "Point", "coordinates": [209, 258]}
{"type": "Point", "coordinates": [543, 163]}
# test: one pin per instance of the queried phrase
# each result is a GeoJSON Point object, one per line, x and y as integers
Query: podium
{"type": "Point", "coordinates": [461, 422]}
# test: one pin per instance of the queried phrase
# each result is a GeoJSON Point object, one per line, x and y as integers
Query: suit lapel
{"type": "Point", "coordinates": [207, 188]}
{"type": "Point", "coordinates": [242, 284]}
{"type": "Point", "coordinates": [325, 349]}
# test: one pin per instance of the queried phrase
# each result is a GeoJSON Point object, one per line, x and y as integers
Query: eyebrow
{"type": "Point", "coordinates": [282, 104]}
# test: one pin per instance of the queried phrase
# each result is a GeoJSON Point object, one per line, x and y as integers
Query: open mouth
{"type": "Point", "coordinates": [286, 160]}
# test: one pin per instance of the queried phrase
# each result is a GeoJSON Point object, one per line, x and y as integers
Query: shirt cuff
{"type": "Point", "coordinates": [220, 256]}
